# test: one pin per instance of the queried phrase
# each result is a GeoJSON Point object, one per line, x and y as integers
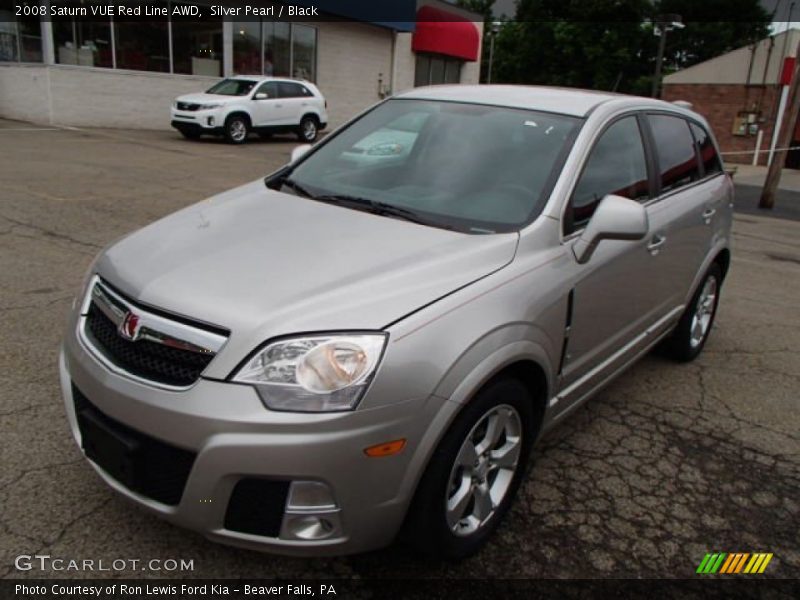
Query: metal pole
{"type": "Point", "coordinates": [491, 58]}
{"type": "Point", "coordinates": [661, 45]}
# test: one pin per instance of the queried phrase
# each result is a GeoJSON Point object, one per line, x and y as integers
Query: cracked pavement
{"type": "Point", "coordinates": [667, 463]}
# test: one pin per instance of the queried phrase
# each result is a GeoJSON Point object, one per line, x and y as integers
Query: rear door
{"type": "Point", "coordinates": [687, 203]}
{"type": "Point", "coordinates": [296, 99]}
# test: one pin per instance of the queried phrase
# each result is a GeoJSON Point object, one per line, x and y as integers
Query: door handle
{"type": "Point", "coordinates": [707, 214]}
{"type": "Point", "coordinates": [654, 247]}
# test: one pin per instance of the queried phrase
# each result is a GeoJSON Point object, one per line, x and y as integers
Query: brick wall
{"type": "Point", "coordinates": [721, 103]}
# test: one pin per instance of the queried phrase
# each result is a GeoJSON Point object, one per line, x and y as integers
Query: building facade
{"type": "Point", "coordinates": [112, 72]}
{"type": "Point", "coordinates": [740, 95]}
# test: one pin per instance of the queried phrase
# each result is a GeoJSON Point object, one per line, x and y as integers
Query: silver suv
{"type": "Point", "coordinates": [356, 349]}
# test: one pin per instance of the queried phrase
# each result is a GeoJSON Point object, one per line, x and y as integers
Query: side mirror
{"type": "Point", "coordinates": [299, 152]}
{"type": "Point", "coordinates": [261, 96]}
{"type": "Point", "coordinates": [616, 218]}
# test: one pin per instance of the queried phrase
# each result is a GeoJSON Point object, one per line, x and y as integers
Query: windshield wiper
{"type": "Point", "coordinates": [376, 207]}
{"type": "Point", "coordinates": [291, 183]}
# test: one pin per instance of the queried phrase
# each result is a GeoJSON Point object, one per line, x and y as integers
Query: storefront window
{"type": "Point", "coordinates": [20, 37]}
{"type": "Point", "coordinates": [79, 42]}
{"type": "Point", "coordinates": [277, 55]}
{"type": "Point", "coordinates": [197, 44]}
{"type": "Point", "coordinates": [304, 52]}
{"type": "Point", "coordinates": [247, 48]}
{"type": "Point", "coordinates": [432, 69]}
{"type": "Point", "coordinates": [141, 45]}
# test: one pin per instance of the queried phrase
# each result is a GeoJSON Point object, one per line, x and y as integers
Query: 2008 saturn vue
{"type": "Point", "coordinates": [366, 344]}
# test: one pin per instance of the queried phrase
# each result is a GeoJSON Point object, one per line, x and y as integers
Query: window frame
{"type": "Point", "coordinates": [704, 177]}
{"type": "Point", "coordinates": [648, 161]}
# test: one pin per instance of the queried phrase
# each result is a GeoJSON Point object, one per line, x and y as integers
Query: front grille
{"type": "Point", "coordinates": [188, 106]}
{"type": "Point", "coordinates": [157, 362]}
{"type": "Point", "coordinates": [256, 506]}
{"type": "Point", "coordinates": [148, 466]}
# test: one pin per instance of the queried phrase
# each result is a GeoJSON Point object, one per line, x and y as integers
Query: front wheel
{"type": "Point", "coordinates": [692, 331]}
{"type": "Point", "coordinates": [237, 129]}
{"type": "Point", "coordinates": [474, 474]}
{"type": "Point", "coordinates": [308, 130]}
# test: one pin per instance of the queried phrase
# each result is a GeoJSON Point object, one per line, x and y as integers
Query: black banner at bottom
{"type": "Point", "coordinates": [485, 589]}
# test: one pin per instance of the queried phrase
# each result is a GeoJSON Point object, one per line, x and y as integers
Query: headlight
{"type": "Point", "coordinates": [209, 106]}
{"type": "Point", "coordinates": [314, 374]}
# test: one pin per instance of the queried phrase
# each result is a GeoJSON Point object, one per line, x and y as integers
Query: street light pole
{"type": "Point", "coordinates": [663, 24]}
{"type": "Point", "coordinates": [495, 28]}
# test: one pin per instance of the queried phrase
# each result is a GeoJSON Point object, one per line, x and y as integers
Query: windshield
{"type": "Point", "coordinates": [232, 87]}
{"type": "Point", "coordinates": [470, 167]}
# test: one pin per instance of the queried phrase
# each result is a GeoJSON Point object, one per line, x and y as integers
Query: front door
{"type": "Point", "coordinates": [616, 294]}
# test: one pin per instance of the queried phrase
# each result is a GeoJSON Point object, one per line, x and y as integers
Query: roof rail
{"type": "Point", "coordinates": [683, 104]}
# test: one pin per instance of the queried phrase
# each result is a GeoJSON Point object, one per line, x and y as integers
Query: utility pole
{"type": "Point", "coordinates": [784, 139]}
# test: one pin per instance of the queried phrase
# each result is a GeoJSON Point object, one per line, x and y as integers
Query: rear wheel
{"type": "Point", "coordinates": [474, 474]}
{"type": "Point", "coordinates": [692, 331]}
{"type": "Point", "coordinates": [308, 130]}
{"type": "Point", "coordinates": [237, 128]}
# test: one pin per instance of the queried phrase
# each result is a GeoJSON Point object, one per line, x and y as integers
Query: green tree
{"type": "Point", "coordinates": [609, 44]}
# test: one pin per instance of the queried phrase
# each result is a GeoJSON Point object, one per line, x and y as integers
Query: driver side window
{"type": "Point", "coordinates": [616, 165]}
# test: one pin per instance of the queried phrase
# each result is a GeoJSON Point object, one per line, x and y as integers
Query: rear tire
{"type": "Point", "coordinates": [308, 130]}
{"type": "Point", "coordinates": [692, 331]}
{"type": "Point", "coordinates": [474, 473]}
{"type": "Point", "coordinates": [237, 128]}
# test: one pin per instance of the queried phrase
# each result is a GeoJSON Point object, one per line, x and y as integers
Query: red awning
{"type": "Point", "coordinates": [443, 32]}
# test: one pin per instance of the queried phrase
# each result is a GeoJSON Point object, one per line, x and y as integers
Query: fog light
{"type": "Point", "coordinates": [211, 121]}
{"type": "Point", "coordinates": [310, 495]}
{"type": "Point", "coordinates": [309, 527]}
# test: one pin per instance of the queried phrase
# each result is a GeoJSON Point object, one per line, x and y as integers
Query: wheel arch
{"type": "Point", "coordinates": [240, 112]}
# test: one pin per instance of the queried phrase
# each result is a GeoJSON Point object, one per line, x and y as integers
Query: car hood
{"type": "Point", "coordinates": [263, 263]}
{"type": "Point", "coordinates": [208, 98]}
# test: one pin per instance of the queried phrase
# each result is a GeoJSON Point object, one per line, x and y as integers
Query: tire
{"type": "Point", "coordinates": [308, 130]}
{"type": "Point", "coordinates": [190, 135]}
{"type": "Point", "coordinates": [694, 327]}
{"type": "Point", "coordinates": [237, 128]}
{"type": "Point", "coordinates": [430, 527]}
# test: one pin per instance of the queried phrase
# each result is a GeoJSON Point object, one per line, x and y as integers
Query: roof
{"type": "Point", "coordinates": [269, 78]}
{"type": "Point", "coordinates": [762, 62]}
{"type": "Point", "coordinates": [568, 101]}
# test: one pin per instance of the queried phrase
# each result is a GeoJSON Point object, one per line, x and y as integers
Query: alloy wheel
{"type": "Point", "coordinates": [483, 470]}
{"type": "Point", "coordinates": [703, 312]}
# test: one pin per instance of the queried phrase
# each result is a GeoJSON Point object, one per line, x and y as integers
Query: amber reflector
{"type": "Point", "coordinates": [385, 449]}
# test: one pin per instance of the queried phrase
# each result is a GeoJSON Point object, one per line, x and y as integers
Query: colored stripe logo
{"type": "Point", "coordinates": [734, 562]}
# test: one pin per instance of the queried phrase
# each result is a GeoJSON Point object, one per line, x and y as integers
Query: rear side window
{"type": "Point", "coordinates": [293, 90]}
{"type": "Point", "coordinates": [616, 165]}
{"type": "Point", "coordinates": [675, 147]}
{"type": "Point", "coordinates": [706, 149]}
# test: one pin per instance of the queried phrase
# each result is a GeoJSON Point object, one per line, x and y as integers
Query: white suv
{"type": "Point", "coordinates": [238, 105]}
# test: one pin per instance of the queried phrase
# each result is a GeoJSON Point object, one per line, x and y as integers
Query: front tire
{"type": "Point", "coordinates": [237, 128]}
{"type": "Point", "coordinates": [474, 473]}
{"type": "Point", "coordinates": [308, 130]}
{"type": "Point", "coordinates": [692, 331]}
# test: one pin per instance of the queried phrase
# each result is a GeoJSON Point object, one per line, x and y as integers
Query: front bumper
{"type": "Point", "coordinates": [234, 438]}
{"type": "Point", "coordinates": [200, 121]}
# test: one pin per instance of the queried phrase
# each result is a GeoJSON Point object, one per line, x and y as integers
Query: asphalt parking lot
{"type": "Point", "coordinates": [668, 463]}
